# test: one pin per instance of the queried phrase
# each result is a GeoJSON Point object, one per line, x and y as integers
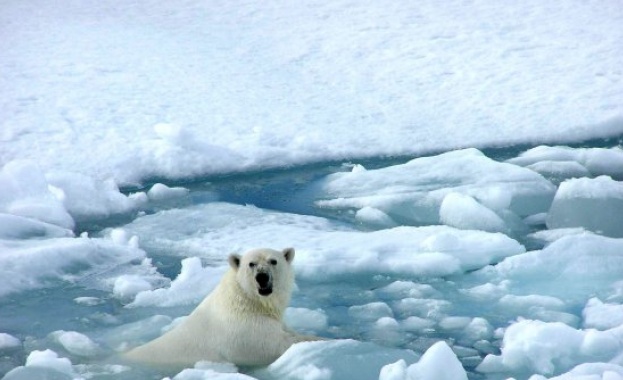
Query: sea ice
{"type": "Point", "coordinates": [534, 346]}
{"type": "Point", "coordinates": [414, 193]}
{"type": "Point", "coordinates": [464, 212]}
{"type": "Point", "coordinates": [559, 162]}
{"type": "Point", "coordinates": [423, 251]}
{"type": "Point", "coordinates": [19, 227]}
{"type": "Point", "coordinates": [581, 264]}
{"type": "Point", "coordinates": [76, 343]}
{"type": "Point", "coordinates": [305, 320]}
{"type": "Point", "coordinates": [86, 198]}
{"type": "Point", "coordinates": [192, 284]}
{"type": "Point", "coordinates": [44, 365]}
{"type": "Point", "coordinates": [589, 371]}
{"type": "Point", "coordinates": [295, 83]}
{"type": "Point", "coordinates": [31, 264]}
{"type": "Point", "coordinates": [26, 193]}
{"type": "Point", "coordinates": [8, 341]}
{"type": "Point", "coordinates": [159, 192]}
{"type": "Point", "coordinates": [437, 363]}
{"type": "Point", "coordinates": [602, 316]}
{"type": "Point", "coordinates": [595, 204]}
{"type": "Point", "coordinates": [336, 359]}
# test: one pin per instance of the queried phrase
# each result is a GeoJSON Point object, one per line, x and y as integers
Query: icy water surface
{"type": "Point", "coordinates": [381, 299]}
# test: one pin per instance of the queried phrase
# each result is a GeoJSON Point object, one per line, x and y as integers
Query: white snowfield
{"type": "Point", "coordinates": [448, 266]}
{"type": "Point", "coordinates": [137, 89]}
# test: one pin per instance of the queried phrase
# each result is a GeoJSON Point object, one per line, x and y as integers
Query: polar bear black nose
{"type": "Point", "coordinates": [262, 279]}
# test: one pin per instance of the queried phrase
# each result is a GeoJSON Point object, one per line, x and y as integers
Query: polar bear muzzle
{"type": "Point", "coordinates": [264, 283]}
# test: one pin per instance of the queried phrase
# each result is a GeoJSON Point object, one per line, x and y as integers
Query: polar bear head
{"type": "Point", "coordinates": [265, 273]}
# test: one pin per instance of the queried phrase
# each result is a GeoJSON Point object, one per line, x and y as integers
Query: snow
{"type": "Point", "coordinates": [182, 91]}
{"type": "Point", "coordinates": [143, 142]}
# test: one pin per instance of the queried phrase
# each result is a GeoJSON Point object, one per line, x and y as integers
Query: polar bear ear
{"type": "Point", "coordinates": [288, 253]}
{"type": "Point", "coordinates": [234, 261]}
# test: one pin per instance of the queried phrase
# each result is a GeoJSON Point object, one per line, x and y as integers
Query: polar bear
{"type": "Point", "coordinates": [240, 322]}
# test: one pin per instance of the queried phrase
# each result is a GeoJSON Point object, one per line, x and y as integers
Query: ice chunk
{"type": "Point", "coordinates": [510, 301]}
{"type": "Point", "coordinates": [406, 289]}
{"type": "Point", "coordinates": [602, 316]}
{"type": "Point", "coordinates": [128, 286]}
{"type": "Point", "coordinates": [159, 192]}
{"type": "Point", "coordinates": [49, 359]}
{"type": "Point", "coordinates": [549, 236]}
{"type": "Point", "coordinates": [88, 301]}
{"type": "Point", "coordinates": [374, 218]}
{"type": "Point", "coordinates": [565, 162]}
{"type": "Point", "coordinates": [413, 193]}
{"type": "Point", "coordinates": [122, 237]}
{"type": "Point", "coordinates": [306, 320]}
{"type": "Point", "coordinates": [192, 284]}
{"type": "Point", "coordinates": [594, 204]}
{"type": "Point", "coordinates": [464, 212]}
{"type": "Point", "coordinates": [478, 329]}
{"type": "Point", "coordinates": [209, 371]}
{"type": "Point", "coordinates": [437, 363]}
{"type": "Point", "coordinates": [19, 227]}
{"type": "Point", "coordinates": [549, 348]}
{"type": "Point", "coordinates": [76, 343]}
{"type": "Point", "coordinates": [590, 371]}
{"type": "Point", "coordinates": [454, 323]}
{"type": "Point", "coordinates": [416, 324]}
{"type": "Point", "coordinates": [581, 264]}
{"type": "Point", "coordinates": [30, 264]}
{"type": "Point", "coordinates": [336, 359]}
{"type": "Point", "coordinates": [488, 291]}
{"type": "Point", "coordinates": [8, 341]}
{"type": "Point", "coordinates": [394, 371]}
{"type": "Point", "coordinates": [208, 374]}
{"type": "Point", "coordinates": [558, 171]}
{"type": "Point", "coordinates": [25, 192]}
{"type": "Point", "coordinates": [88, 199]}
{"type": "Point", "coordinates": [425, 251]}
{"type": "Point", "coordinates": [371, 311]}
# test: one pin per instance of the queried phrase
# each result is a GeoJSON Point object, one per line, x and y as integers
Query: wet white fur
{"type": "Point", "coordinates": [233, 323]}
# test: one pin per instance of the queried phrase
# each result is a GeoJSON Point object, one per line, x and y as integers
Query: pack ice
{"type": "Point", "coordinates": [415, 270]}
{"type": "Point", "coordinates": [464, 189]}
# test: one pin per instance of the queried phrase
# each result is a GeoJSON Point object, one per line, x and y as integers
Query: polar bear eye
{"type": "Point", "coordinates": [252, 265]}
{"type": "Point", "coordinates": [273, 262]}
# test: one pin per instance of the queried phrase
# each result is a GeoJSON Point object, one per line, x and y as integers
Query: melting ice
{"type": "Point", "coordinates": [434, 290]}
